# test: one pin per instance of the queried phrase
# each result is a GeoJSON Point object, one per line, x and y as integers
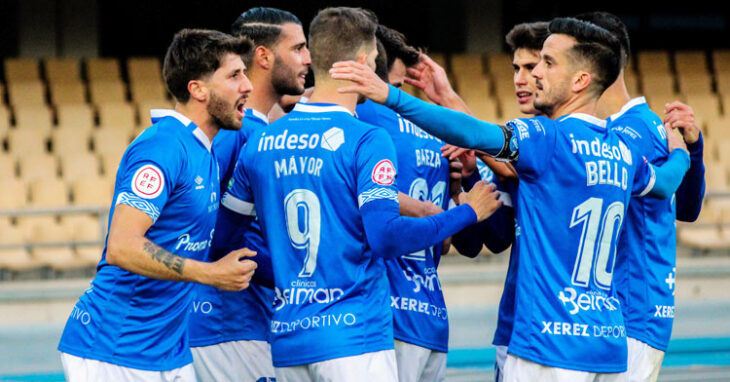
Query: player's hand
{"type": "Point", "coordinates": [675, 140]}
{"type": "Point", "coordinates": [431, 78]}
{"type": "Point", "coordinates": [484, 199]}
{"type": "Point", "coordinates": [455, 176]}
{"type": "Point", "coordinates": [364, 79]}
{"type": "Point", "coordinates": [230, 273]}
{"type": "Point", "coordinates": [680, 116]}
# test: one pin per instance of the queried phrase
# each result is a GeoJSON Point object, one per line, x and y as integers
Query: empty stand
{"type": "Point", "coordinates": [694, 83]}
{"type": "Point", "coordinates": [21, 70]}
{"type": "Point", "coordinates": [148, 91]}
{"type": "Point", "coordinates": [721, 60]}
{"type": "Point", "coordinates": [4, 121]}
{"type": "Point", "coordinates": [76, 116]}
{"type": "Point", "coordinates": [467, 64]}
{"type": "Point", "coordinates": [687, 62]}
{"type": "Point", "coordinates": [107, 91]}
{"type": "Point", "coordinates": [144, 69]}
{"type": "Point", "coordinates": [706, 106]}
{"type": "Point", "coordinates": [62, 70]}
{"type": "Point", "coordinates": [14, 193]}
{"type": "Point", "coordinates": [103, 69]}
{"type": "Point", "coordinates": [48, 193]}
{"type": "Point", "coordinates": [27, 142]}
{"type": "Point", "coordinates": [117, 115]}
{"type": "Point", "coordinates": [653, 61]}
{"type": "Point", "coordinates": [37, 167]}
{"type": "Point", "coordinates": [111, 141]}
{"type": "Point", "coordinates": [67, 92]}
{"type": "Point", "coordinates": [79, 165]}
{"type": "Point", "coordinates": [7, 166]}
{"type": "Point", "coordinates": [56, 254]}
{"type": "Point", "coordinates": [92, 191]}
{"type": "Point", "coordinates": [68, 141]}
{"type": "Point", "coordinates": [15, 259]}
{"type": "Point", "coordinates": [27, 93]}
{"type": "Point", "coordinates": [35, 117]}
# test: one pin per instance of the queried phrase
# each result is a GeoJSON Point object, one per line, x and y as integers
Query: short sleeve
{"type": "Point", "coordinates": [238, 197]}
{"type": "Point", "coordinates": [375, 161]}
{"type": "Point", "coordinates": [649, 141]}
{"type": "Point", "coordinates": [149, 173]}
{"type": "Point", "coordinates": [644, 175]}
{"type": "Point", "coordinates": [533, 139]}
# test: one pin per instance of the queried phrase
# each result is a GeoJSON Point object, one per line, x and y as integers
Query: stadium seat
{"type": "Point", "coordinates": [716, 177]}
{"type": "Point", "coordinates": [509, 109]}
{"type": "Point", "coordinates": [504, 87]}
{"type": "Point", "coordinates": [26, 93]}
{"type": "Point", "coordinates": [62, 70]}
{"type": "Point", "coordinates": [472, 85]}
{"type": "Point", "coordinates": [107, 91]}
{"type": "Point", "coordinates": [14, 259]}
{"type": "Point", "coordinates": [695, 83]}
{"type": "Point", "coordinates": [657, 84]}
{"type": "Point", "coordinates": [58, 255]}
{"type": "Point", "coordinates": [29, 225]}
{"type": "Point", "coordinates": [35, 117]}
{"type": "Point", "coordinates": [483, 107]}
{"type": "Point", "coordinates": [653, 61]}
{"type": "Point", "coordinates": [721, 60]}
{"type": "Point", "coordinates": [706, 106]}
{"type": "Point", "coordinates": [67, 93]}
{"type": "Point", "coordinates": [658, 100]}
{"type": "Point", "coordinates": [7, 166]}
{"type": "Point", "coordinates": [723, 82]}
{"type": "Point", "coordinates": [14, 193]}
{"type": "Point", "coordinates": [37, 167]}
{"type": "Point", "coordinates": [68, 141]}
{"type": "Point", "coordinates": [152, 90]}
{"type": "Point", "coordinates": [26, 142]}
{"type": "Point", "coordinates": [85, 230]}
{"type": "Point", "coordinates": [103, 69]}
{"type": "Point", "coordinates": [79, 165]}
{"type": "Point", "coordinates": [76, 117]}
{"type": "Point", "coordinates": [21, 70]}
{"type": "Point", "coordinates": [705, 235]}
{"type": "Point", "coordinates": [723, 151]}
{"type": "Point", "coordinates": [111, 141]}
{"type": "Point", "coordinates": [117, 115]}
{"type": "Point", "coordinates": [92, 191]}
{"type": "Point", "coordinates": [143, 69]}
{"type": "Point", "coordinates": [632, 84]}
{"type": "Point", "coordinates": [690, 61]}
{"type": "Point", "coordinates": [440, 59]}
{"type": "Point", "coordinates": [110, 164]}
{"type": "Point", "coordinates": [500, 65]}
{"type": "Point", "coordinates": [49, 193]}
{"type": "Point", "coordinates": [718, 128]}
{"type": "Point", "coordinates": [4, 121]}
{"type": "Point", "coordinates": [466, 64]}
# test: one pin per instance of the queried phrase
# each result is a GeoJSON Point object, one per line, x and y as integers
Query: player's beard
{"type": "Point", "coordinates": [223, 113]}
{"type": "Point", "coordinates": [285, 80]}
{"type": "Point", "coordinates": [551, 97]}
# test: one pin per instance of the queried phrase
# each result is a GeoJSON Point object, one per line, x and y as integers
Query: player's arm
{"type": "Point", "coordinates": [691, 191]}
{"type": "Point", "coordinates": [451, 126]}
{"type": "Point", "coordinates": [416, 208]}
{"type": "Point", "coordinates": [662, 181]}
{"type": "Point", "coordinates": [128, 248]}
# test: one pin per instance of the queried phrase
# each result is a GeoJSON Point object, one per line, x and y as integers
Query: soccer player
{"type": "Point", "coordinates": [421, 334]}
{"type": "Point", "coordinates": [646, 256]}
{"type": "Point", "coordinates": [229, 330]}
{"type": "Point", "coordinates": [576, 178]}
{"type": "Point", "coordinates": [324, 186]}
{"type": "Point", "coordinates": [131, 324]}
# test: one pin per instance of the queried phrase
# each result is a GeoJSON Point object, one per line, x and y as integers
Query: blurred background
{"type": "Point", "coordinates": [78, 78]}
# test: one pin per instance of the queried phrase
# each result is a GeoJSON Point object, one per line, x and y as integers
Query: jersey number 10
{"type": "Point", "coordinates": [601, 228]}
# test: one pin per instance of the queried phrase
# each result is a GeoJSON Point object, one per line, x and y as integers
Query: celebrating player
{"type": "Point", "coordinates": [576, 178]}
{"type": "Point", "coordinates": [646, 256]}
{"type": "Point", "coordinates": [324, 186]}
{"type": "Point", "coordinates": [229, 330]}
{"type": "Point", "coordinates": [131, 324]}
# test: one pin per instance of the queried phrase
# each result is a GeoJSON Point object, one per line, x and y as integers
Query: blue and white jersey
{"type": "Point", "coordinates": [419, 310]}
{"type": "Point", "coordinates": [576, 180]}
{"type": "Point", "coordinates": [646, 261]}
{"type": "Point", "coordinates": [170, 174]}
{"type": "Point", "coordinates": [216, 315]}
{"type": "Point", "coordinates": [309, 172]}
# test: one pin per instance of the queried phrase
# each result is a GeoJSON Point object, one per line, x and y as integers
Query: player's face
{"type": "Point", "coordinates": [553, 73]}
{"type": "Point", "coordinates": [523, 61]}
{"type": "Point", "coordinates": [229, 89]}
{"type": "Point", "coordinates": [397, 73]}
{"type": "Point", "coordinates": [292, 61]}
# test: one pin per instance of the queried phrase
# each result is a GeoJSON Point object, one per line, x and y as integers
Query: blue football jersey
{"type": "Point", "coordinates": [576, 180]}
{"type": "Point", "coordinates": [169, 173]}
{"type": "Point", "coordinates": [646, 261]}
{"type": "Point", "coordinates": [216, 315]}
{"type": "Point", "coordinates": [419, 310]}
{"type": "Point", "coordinates": [309, 172]}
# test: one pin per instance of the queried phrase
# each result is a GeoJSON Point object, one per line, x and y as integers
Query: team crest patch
{"type": "Point", "coordinates": [148, 182]}
{"type": "Point", "coordinates": [384, 173]}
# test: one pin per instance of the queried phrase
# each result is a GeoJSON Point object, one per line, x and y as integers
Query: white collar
{"type": "Point", "coordinates": [198, 133]}
{"type": "Point", "coordinates": [263, 117]}
{"type": "Point", "coordinates": [309, 108]}
{"type": "Point", "coordinates": [627, 107]}
{"type": "Point", "coordinates": [587, 118]}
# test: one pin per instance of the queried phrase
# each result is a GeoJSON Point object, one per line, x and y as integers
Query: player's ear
{"type": "Point", "coordinates": [264, 57]}
{"type": "Point", "coordinates": [362, 58]}
{"type": "Point", "coordinates": [581, 81]}
{"type": "Point", "coordinates": [198, 90]}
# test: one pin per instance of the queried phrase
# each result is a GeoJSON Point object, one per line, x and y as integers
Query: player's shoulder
{"type": "Point", "coordinates": [524, 126]}
{"type": "Point", "coordinates": [634, 119]}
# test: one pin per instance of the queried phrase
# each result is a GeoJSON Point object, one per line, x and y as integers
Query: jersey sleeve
{"type": "Point", "coordinates": [150, 173]}
{"type": "Point", "coordinates": [532, 144]}
{"type": "Point", "coordinates": [239, 197]}
{"type": "Point", "coordinates": [375, 160]}
{"type": "Point", "coordinates": [650, 142]}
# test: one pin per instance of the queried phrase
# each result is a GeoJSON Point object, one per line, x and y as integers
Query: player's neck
{"type": "Point", "coordinates": [326, 92]}
{"type": "Point", "coordinates": [199, 115]}
{"type": "Point", "coordinates": [263, 96]}
{"type": "Point", "coordinates": [583, 104]}
{"type": "Point", "coordinates": [613, 99]}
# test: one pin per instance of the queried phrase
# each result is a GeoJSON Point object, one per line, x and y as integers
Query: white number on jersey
{"type": "Point", "coordinates": [419, 191]}
{"type": "Point", "coordinates": [304, 204]}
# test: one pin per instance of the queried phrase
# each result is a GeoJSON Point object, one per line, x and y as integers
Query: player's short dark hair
{"type": "Point", "coordinates": [381, 62]}
{"type": "Point", "coordinates": [594, 46]}
{"type": "Point", "coordinates": [527, 36]}
{"type": "Point", "coordinates": [395, 46]}
{"type": "Point", "coordinates": [196, 53]}
{"type": "Point", "coordinates": [613, 24]}
{"type": "Point", "coordinates": [263, 25]}
{"type": "Point", "coordinates": [337, 33]}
